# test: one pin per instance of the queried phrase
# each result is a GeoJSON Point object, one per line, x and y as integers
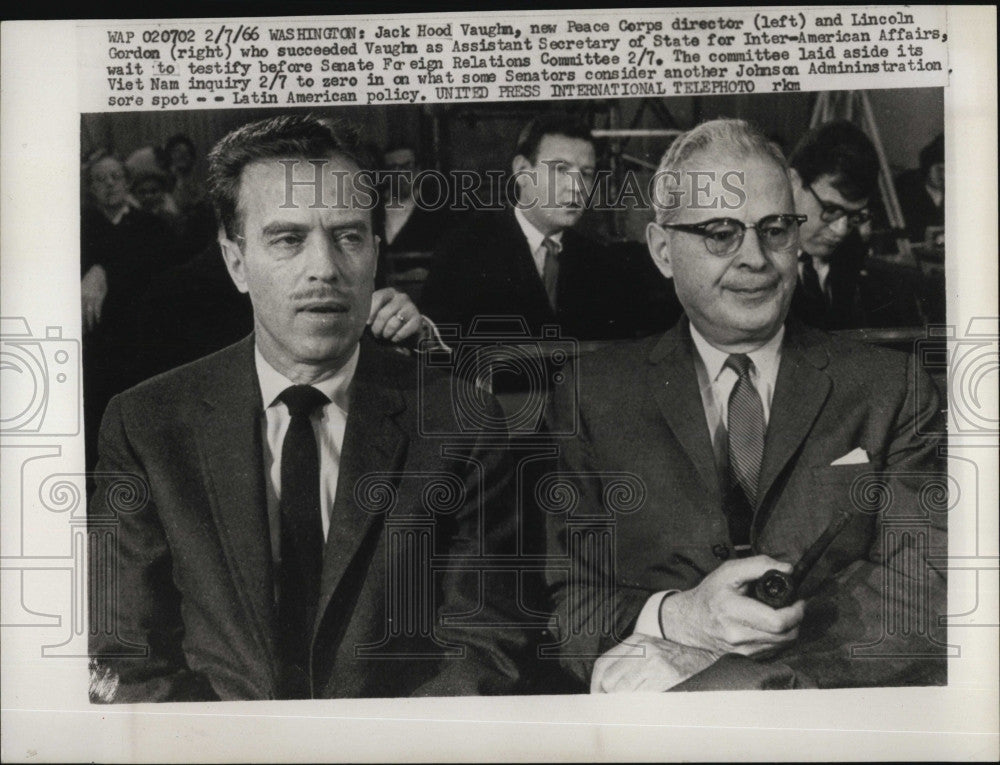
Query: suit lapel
{"type": "Point", "coordinates": [373, 444]}
{"type": "Point", "coordinates": [674, 385]}
{"type": "Point", "coordinates": [799, 394]}
{"type": "Point", "coordinates": [526, 281]}
{"type": "Point", "coordinates": [580, 284]}
{"type": "Point", "coordinates": [801, 390]}
{"type": "Point", "coordinates": [231, 440]}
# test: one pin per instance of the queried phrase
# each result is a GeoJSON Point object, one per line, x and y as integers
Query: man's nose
{"type": "Point", "coordinates": [322, 258]}
{"type": "Point", "coordinates": [751, 252]}
{"type": "Point", "coordinates": [574, 182]}
{"type": "Point", "coordinates": [841, 227]}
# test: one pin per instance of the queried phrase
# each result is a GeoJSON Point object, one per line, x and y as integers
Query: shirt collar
{"type": "Point", "coordinates": [817, 262]}
{"type": "Point", "coordinates": [122, 211]}
{"type": "Point", "coordinates": [820, 266]}
{"type": "Point", "coordinates": [335, 387]}
{"type": "Point", "coordinates": [765, 359]}
{"type": "Point", "coordinates": [532, 234]}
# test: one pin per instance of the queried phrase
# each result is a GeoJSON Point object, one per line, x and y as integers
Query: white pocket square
{"type": "Point", "coordinates": [856, 456]}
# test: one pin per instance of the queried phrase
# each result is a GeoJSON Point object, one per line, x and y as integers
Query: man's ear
{"type": "Point", "coordinates": [235, 261]}
{"type": "Point", "coordinates": [522, 169]}
{"type": "Point", "coordinates": [657, 240]}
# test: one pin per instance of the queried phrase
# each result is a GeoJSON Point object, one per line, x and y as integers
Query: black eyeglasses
{"type": "Point", "coordinates": [831, 212]}
{"type": "Point", "coordinates": [723, 236]}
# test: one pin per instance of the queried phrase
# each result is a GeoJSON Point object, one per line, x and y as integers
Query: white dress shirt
{"type": "Point", "coordinates": [329, 427]}
{"type": "Point", "coordinates": [125, 209]}
{"type": "Point", "coordinates": [936, 195]}
{"type": "Point", "coordinates": [716, 382]}
{"type": "Point", "coordinates": [535, 239]}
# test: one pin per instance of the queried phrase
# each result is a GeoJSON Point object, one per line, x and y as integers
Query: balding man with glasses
{"type": "Point", "coordinates": [744, 436]}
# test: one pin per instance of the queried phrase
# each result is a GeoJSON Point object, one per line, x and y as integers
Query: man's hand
{"type": "Point", "coordinates": [93, 290]}
{"type": "Point", "coordinates": [644, 663]}
{"type": "Point", "coordinates": [393, 316]}
{"type": "Point", "coordinates": [719, 617]}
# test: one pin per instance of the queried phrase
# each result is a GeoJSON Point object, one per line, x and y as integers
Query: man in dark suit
{"type": "Point", "coordinates": [528, 261]}
{"type": "Point", "coordinates": [921, 192]}
{"type": "Point", "coordinates": [287, 507]}
{"type": "Point", "coordinates": [722, 450]}
{"type": "Point", "coordinates": [834, 174]}
{"type": "Point", "coordinates": [123, 251]}
{"type": "Point", "coordinates": [411, 223]}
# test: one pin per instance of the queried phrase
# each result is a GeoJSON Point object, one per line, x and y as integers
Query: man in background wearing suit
{"type": "Point", "coordinates": [411, 225]}
{"type": "Point", "coordinates": [921, 193]}
{"type": "Point", "coordinates": [258, 561]}
{"type": "Point", "coordinates": [834, 174]}
{"type": "Point", "coordinates": [745, 436]}
{"type": "Point", "coordinates": [527, 261]}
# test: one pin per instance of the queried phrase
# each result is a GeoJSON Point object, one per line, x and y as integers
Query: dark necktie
{"type": "Point", "coordinates": [301, 536]}
{"type": "Point", "coordinates": [810, 281]}
{"type": "Point", "coordinates": [746, 440]}
{"type": "Point", "coordinates": [550, 269]}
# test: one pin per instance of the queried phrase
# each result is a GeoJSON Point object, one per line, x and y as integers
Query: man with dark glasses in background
{"type": "Point", "coordinates": [834, 175]}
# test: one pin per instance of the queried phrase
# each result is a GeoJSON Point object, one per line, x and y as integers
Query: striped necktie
{"type": "Point", "coordinates": [746, 428]}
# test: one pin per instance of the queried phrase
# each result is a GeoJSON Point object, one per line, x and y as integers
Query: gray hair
{"type": "Point", "coordinates": [722, 137]}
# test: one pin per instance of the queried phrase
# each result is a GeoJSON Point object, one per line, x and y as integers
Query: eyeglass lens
{"type": "Point", "coordinates": [830, 212]}
{"type": "Point", "coordinates": [776, 232]}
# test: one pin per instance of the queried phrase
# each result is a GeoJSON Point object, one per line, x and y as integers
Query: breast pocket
{"type": "Point", "coordinates": [836, 482]}
{"type": "Point", "coordinates": [818, 498]}
{"type": "Point", "coordinates": [857, 491]}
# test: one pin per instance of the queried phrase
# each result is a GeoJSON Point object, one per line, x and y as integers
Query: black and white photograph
{"type": "Point", "coordinates": [595, 374]}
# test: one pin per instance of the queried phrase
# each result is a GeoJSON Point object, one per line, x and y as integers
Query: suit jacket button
{"type": "Point", "coordinates": [721, 552]}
